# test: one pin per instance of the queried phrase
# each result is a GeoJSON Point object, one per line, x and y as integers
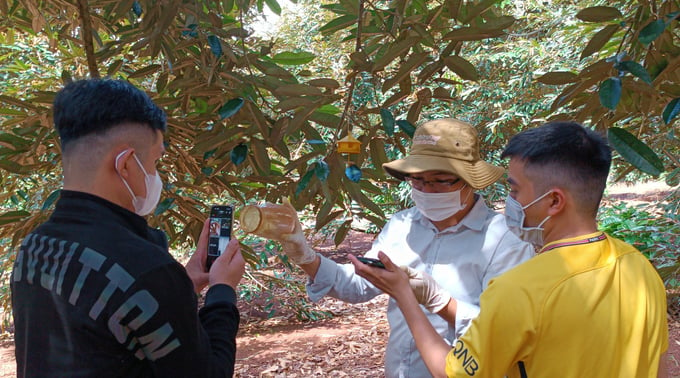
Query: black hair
{"type": "Point", "coordinates": [90, 106]}
{"type": "Point", "coordinates": [568, 154]}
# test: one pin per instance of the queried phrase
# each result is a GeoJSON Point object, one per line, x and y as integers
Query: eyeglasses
{"type": "Point", "coordinates": [438, 185]}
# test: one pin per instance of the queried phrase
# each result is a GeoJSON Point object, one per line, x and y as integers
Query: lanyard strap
{"type": "Point", "coordinates": [594, 239]}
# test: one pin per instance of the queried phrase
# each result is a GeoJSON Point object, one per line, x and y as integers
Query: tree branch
{"type": "Point", "coordinates": [86, 26]}
{"type": "Point", "coordinates": [350, 91]}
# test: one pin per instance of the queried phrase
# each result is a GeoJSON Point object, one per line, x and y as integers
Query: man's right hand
{"type": "Point", "coordinates": [427, 290]}
{"type": "Point", "coordinates": [229, 267]}
{"type": "Point", "coordinates": [294, 245]}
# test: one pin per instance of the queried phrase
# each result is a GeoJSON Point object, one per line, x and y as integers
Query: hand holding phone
{"type": "Point", "coordinates": [372, 262]}
{"type": "Point", "coordinates": [221, 217]}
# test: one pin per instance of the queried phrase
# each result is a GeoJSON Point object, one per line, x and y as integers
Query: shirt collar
{"type": "Point", "coordinates": [85, 204]}
{"type": "Point", "coordinates": [576, 240]}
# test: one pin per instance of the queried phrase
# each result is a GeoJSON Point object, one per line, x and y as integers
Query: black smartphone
{"type": "Point", "coordinates": [372, 262]}
{"type": "Point", "coordinates": [221, 217]}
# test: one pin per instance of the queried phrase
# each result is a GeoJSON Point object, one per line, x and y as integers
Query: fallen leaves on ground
{"type": "Point", "coordinates": [351, 344]}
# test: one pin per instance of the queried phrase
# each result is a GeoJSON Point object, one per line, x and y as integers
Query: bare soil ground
{"type": "Point", "coordinates": [352, 343]}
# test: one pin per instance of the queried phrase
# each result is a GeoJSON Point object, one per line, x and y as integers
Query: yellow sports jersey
{"type": "Point", "coordinates": [591, 306]}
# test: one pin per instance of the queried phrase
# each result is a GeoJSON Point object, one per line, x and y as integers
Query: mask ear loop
{"type": "Point", "coordinates": [536, 200]}
{"type": "Point", "coordinates": [468, 196]}
{"type": "Point", "coordinates": [540, 225]}
{"type": "Point", "coordinates": [141, 166]}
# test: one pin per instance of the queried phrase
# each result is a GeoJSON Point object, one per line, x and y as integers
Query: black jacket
{"type": "Point", "coordinates": [95, 293]}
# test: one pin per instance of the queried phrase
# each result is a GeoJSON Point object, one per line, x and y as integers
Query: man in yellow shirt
{"type": "Point", "coordinates": [587, 305]}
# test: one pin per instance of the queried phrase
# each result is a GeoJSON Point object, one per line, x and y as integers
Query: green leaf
{"type": "Point", "coordinates": [471, 34]}
{"type": "Point", "coordinates": [297, 90]}
{"type": "Point", "coordinates": [11, 112]}
{"type": "Point", "coordinates": [13, 216]}
{"type": "Point", "coordinates": [215, 45]}
{"type": "Point", "coordinates": [634, 151]}
{"type": "Point", "coordinates": [610, 92]}
{"type": "Point", "coordinates": [290, 58]}
{"type": "Point", "coordinates": [231, 107]}
{"type": "Point", "coordinates": [210, 153]}
{"type": "Point", "coordinates": [498, 23]}
{"type": "Point", "coordinates": [200, 105]}
{"type": "Point", "coordinates": [671, 110]}
{"type": "Point", "coordinates": [338, 24]}
{"type": "Point", "coordinates": [651, 32]}
{"type": "Point", "coordinates": [599, 40]}
{"type": "Point", "coordinates": [304, 181]}
{"type": "Point", "coordinates": [342, 231]}
{"type": "Point", "coordinates": [190, 30]}
{"type": "Point", "coordinates": [406, 127]}
{"type": "Point", "coordinates": [673, 178]}
{"type": "Point", "coordinates": [474, 9]}
{"type": "Point", "coordinates": [163, 206]}
{"type": "Point", "coordinates": [387, 121]}
{"type": "Point", "coordinates": [325, 119]}
{"type": "Point", "coordinates": [321, 170]}
{"type": "Point", "coordinates": [324, 83]}
{"type": "Point", "coordinates": [636, 69]}
{"type": "Point", "coordinates": [394, 51]}
{"type": "Point", "coordinates": [274, 6]}
{"type": "Point", "coordinates": [671, 16]}
{"type": "Point", "coordinates": [145, 71]}
{"type": "Point", "coordinates": [114, 67]}
{"type": "Point", "coordinates": [353, 173]}
{"type": "Point", "coordinates": [558, 78]}
{"type": "Point", "coordinates": [50, 199]}
{"type": "Point", "coordinates": [238, 154]}
{"type": "Point", "coordinates": [329, 109]}
{"type": "Point", "coordinates": [462, 67]}
{"type": "Point", "coordinates": [599, 14]}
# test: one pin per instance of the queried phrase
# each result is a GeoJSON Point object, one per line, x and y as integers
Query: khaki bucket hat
{"type": "Point", "coordinates": [447, 145]}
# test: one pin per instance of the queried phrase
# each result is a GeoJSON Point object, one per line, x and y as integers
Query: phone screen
{"type": "Point", "coordinates": [220, 231]}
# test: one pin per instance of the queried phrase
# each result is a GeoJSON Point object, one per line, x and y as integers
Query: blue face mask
{"type": "Point", "coordinates": [514, 218]}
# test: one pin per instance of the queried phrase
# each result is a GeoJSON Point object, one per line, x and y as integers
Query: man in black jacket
{"type": "Point", "coordinates": [94, 290]}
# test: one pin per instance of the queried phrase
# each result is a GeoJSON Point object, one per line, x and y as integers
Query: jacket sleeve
{"type": "Point", "coordinates": [220, 320]}
{"type": "Point", "coordinates": [167, 330]}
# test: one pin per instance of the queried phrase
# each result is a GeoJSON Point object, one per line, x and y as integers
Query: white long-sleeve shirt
{"type": "Point", "coordinates": [462, 259]}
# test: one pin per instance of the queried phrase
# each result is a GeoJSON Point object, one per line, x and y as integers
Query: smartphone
{"type": "Point", "coordinates": [221, 217]}
{"type": "Point", "coordinates": [372, 262]}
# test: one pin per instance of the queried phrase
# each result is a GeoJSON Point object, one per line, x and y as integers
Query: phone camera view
{"type": "Point", "coordinates": [220, 232]}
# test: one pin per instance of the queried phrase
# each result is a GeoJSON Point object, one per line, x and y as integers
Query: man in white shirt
{"type": "Point", "coordinates": [450, 234]}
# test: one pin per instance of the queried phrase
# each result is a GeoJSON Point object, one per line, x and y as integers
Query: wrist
{"type": "Point", "coordinates": [406, 297]}
{"type": "Point", "coordinates": [440, 305]}
{"type": "Point", "coordinates": [308, 256]}
{"type": "Point", "coordinates": [222, 281]}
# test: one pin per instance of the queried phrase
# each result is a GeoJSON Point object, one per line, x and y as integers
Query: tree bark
{"type": "Point", "coordinates": [86, 29]}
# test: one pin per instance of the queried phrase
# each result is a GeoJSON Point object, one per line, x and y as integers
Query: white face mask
{"type": "Point", "coordinates": [514, 218]}
{"type": "Point", "coordinates": [437, 206]}
{"type": "Point", "coordinates": [144, 205]}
